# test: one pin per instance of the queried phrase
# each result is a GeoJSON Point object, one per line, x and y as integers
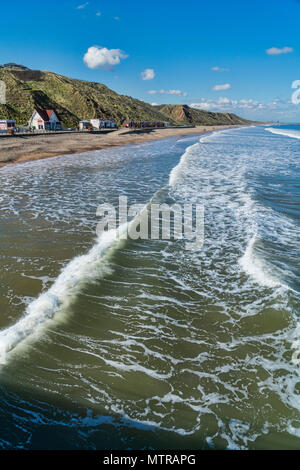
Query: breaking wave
{"type": "Point", "coordinates": [287, 132]}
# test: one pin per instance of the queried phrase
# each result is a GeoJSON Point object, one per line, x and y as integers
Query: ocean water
{"type": "Point", "coordinates": [144, 344]}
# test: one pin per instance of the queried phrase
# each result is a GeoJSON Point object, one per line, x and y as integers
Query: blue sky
{"type": "Point", "coordinates": [176, 43]}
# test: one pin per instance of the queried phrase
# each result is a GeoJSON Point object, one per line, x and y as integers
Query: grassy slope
{"type": "Point", "coordinates": [186, 115]}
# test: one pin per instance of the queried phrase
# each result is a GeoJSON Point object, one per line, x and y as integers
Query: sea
{"type": "Point", "coordinates": [144, 344]}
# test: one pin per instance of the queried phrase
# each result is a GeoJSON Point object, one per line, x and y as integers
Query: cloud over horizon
{"type": "Point", "coordinates": [102, 58]}
{"type": "Point", "coordinates": [224, 104]}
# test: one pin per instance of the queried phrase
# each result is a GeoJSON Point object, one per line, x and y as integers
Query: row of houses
{"type": "Point", "coordinates": [48, 120]}
{"type": "Point", "coordinates": [41, 119]}
{"type": "Point", "coordinates": [145, 124]}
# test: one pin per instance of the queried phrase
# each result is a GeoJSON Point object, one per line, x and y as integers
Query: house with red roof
{"type": "Point", "coordinates": [45, 119]}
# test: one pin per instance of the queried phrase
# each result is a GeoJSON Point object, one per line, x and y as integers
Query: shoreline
{"type": "Point", "coordinates": [24, 148]}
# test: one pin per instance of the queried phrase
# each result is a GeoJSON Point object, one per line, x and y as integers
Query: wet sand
{"type": "Point", "coordinates": [22, 148]}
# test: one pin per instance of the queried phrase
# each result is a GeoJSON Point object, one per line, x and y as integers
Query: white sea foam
{"type": "Point", "coordinates": [256, 268]}
{"type": "Point", "coordinates": [175, 173]}
{"type": "Point", "coordinates": [287, 132]}
{"type": "Point", "coordinates": [250, 262]}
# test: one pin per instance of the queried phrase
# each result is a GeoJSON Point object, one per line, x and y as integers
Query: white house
{"type": "Point", "coordinates": [6, 125]}
{"type": "Point", "coordinates": [103, 124]}
{"type": "Point", "coordinates": [45, 119]}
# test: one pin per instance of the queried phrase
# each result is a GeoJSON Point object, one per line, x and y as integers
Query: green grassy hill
{"type": "Point", "coordinates": [77, 99]}
{"type": "Point", "coordinates": [185, 115]}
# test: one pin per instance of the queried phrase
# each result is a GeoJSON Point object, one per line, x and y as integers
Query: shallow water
{"type": "Point", "coordinates": [144, 344]}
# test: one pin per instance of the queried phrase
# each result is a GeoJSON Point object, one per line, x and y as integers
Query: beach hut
{"type": "Point", "coordinates": [6, 125]}
{"type": "Point", "coordinates": [45, 119]}
{"type": "Point", "coordinates": [84, 125]}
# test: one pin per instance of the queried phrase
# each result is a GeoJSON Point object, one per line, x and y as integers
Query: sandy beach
{"type": "Point", "coordinates": [22, 148]}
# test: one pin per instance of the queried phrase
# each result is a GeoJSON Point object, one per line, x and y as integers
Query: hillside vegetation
{"type": "Point", "coordinates": [77, 99]}
{"type": "Point", "coordinates": [185, 115]}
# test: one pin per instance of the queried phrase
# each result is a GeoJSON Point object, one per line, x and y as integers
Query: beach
{"type": "Point", "coordinates": [21, 148]}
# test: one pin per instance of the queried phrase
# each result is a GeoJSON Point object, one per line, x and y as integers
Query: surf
{"type": "Point", "coordinates": [286, 132]}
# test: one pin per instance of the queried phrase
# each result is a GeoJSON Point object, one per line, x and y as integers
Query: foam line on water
{"type": "Point", "coordinates": [176, 171]}
{"type": "Point", "coordinates": [286, 132]}
{"type": "Point", "coordinates": [255, 267]}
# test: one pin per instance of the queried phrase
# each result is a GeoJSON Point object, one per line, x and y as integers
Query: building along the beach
{"type": "Point", "coordinates": [84, 125]}
{"type": "Point", "coordinates": [145, 124]}
{"type": "Point", "coordinates": [45, 119]}
{"type": "Point", "coordinates": [6, 125]}
{"type": "Point", "coordinates": [103, 124]}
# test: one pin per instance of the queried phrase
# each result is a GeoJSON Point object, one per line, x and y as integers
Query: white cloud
{"type": "Point", "coordinates": [148, 74]}
{"type": "Point", "coordinates": [226, 86]}
{"type": "Point", "coordinates": [154, 104]}
{"type": "Point", "coordinates": [219, 69]}
{"type": "Point", "coordinates": [103, 58]}
{"type": "Point", "coordinates": [167, 92]}
{"type": "Point", "coordinates": [278, 51]}
{"type": "Point", "coordinates": [84, 5]}
{"type": "Point", "coordinates": [223, 101]}
{"type": "Point", "coordinates": [226, 105]}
